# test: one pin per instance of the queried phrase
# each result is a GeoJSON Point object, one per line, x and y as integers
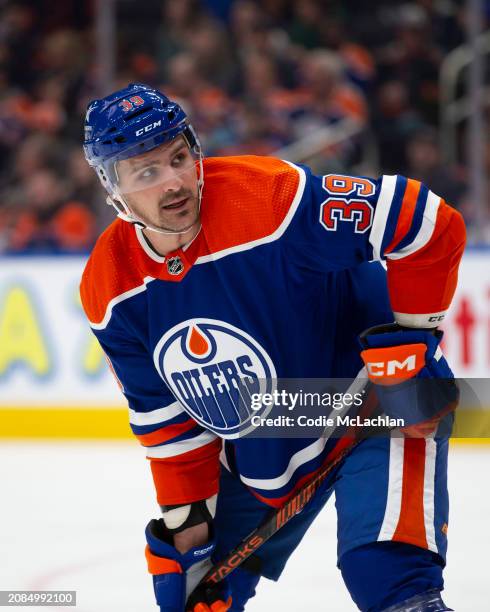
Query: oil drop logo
{"type": "Point", "coordinates": [213, 368]}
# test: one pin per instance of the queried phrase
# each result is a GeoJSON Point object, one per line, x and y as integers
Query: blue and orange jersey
{"type": "Point", "coordinates": [280, 279]}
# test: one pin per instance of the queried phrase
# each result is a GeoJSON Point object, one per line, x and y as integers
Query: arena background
{"type": "Point", "coordinates": [344, 86]}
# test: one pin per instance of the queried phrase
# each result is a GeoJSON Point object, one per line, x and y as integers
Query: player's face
{"type": "Point", "coordinates": [160, 187]}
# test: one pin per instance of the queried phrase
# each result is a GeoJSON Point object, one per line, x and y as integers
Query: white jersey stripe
{"type": "Point", "coordinates": [395, 482]}
{"type": "Point", "coordinates": [154, 417]}
{"type": "Point", "coordinates": [383, 205]}
{"type": "Point", "coordinates": [266, 239]}
{"type": "Point", "coordinates": [146, 247]}
{"type": "Point", "coordinates": [309, 452]}
{"type": "Point", "coordinates": [426, 229]}
{"type": "Point", "coordinates": [181, 447]}
{"type": "Point", "coordinates": [303, 456]}
{"type": "Point", "coordinates": [429, 496]}
{"type": "Point", "coordinates": [223, 459]}
{"type": "Point", "coordinates": [117, 300]}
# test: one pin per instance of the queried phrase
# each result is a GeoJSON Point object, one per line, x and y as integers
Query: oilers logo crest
{"type": "Point", "coordinates": [213, 368]}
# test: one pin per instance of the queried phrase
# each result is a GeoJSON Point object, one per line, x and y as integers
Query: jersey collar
{"type": "Point", "coordinates": [175, 265]}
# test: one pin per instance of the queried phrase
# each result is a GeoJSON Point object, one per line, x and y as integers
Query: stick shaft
{"type": "Point", "coordinates": [273, 522]}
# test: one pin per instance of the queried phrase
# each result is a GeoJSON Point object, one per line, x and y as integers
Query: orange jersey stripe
{"type": "Point", "coordinates": [411, 526]}
{"type": "Point", "coordinates": [166, 433]}
{"type": "Point", "coordinates": [425, 281]}
{"type": "Point", "coordinates": [406, 213]}
{"type": "Point", "coordinates": [188, 477]}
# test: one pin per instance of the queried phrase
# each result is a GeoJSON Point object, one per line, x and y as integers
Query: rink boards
{"type": "Point", "coordinates": [54, 380]}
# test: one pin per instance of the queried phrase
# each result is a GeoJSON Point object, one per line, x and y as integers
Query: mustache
{"type": "Point", "coordinates": [175, 197]}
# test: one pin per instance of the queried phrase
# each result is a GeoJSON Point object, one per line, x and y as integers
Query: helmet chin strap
{"type": "Point", "coordinates": [116, 200]}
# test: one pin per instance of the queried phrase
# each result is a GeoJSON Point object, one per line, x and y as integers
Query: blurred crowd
{"type": "Point", "coordinates": [255, 78]}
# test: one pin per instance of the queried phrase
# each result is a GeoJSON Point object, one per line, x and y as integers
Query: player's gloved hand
{"type": "Point", "coordinates": [177, 575]}
{"type": "Point", "coordinates": [213, 598]}
{"type": "Point", "coordinates": [414, 381]}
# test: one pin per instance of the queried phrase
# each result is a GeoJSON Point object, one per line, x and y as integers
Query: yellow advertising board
{"type": "Point", "coordinates": [55, 382]}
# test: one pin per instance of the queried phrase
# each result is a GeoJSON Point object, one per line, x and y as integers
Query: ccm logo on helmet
{"type": "Point", "coordinates": [148, 128]}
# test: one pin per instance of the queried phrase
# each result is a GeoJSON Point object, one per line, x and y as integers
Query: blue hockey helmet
{"type": "Point", "coordinates": [129, 122]}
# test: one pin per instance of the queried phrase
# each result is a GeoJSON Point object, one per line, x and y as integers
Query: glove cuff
{"type": "Point", "coordinates": [157, 538]}
{"type": "Point", "coordinates": [161, 565]}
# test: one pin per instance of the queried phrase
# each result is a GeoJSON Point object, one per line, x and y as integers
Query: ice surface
{"type": "Point", "coordinates": [72, 516]}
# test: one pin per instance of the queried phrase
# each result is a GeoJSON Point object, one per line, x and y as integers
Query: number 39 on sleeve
{"type": "Point", "coordinates": [347, 202]}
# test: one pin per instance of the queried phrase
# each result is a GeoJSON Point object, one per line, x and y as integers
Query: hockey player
{"type": "Point", "coordinates": [226, 273]}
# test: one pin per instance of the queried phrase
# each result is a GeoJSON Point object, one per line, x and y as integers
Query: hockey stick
{"type": "Point", "coordinates": [274, 521]}
{"type": "Point", "coordinates": [278, 518]}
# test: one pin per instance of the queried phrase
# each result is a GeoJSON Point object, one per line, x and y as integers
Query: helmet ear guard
{"type": "Point", "coordinates": [123, 211]}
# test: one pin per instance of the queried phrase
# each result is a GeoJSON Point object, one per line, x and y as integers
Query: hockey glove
{"type": "Point", "coordinates": [414, 381]}
{"type": "Point", "coordinates": [175, 575]}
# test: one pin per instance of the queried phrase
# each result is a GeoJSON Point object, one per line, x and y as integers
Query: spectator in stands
{"type": "Point", "coordinates": [179, 22]}
{"type": "Point", "coordinates": [424, 163]}
{"type": "Point", "coordinates": [254, 75]}
{"type": "Point", "coordinates": [20, 38]}
{"type": "Point", "coordinates": [49, 222]}
{"type": "Point", "coordinates": [246, 19]}
{"type": "Point", "coordinates": [209, 44]}
{"type": "Point", "coordinates": [394, 122]}
{"type": "Point", "coordinates": [413, 57]}
{"type": "Point", "coordinates": [305, 28]}
{"type": "Point", "coordinates": [328, 97]}
{"type": "Point", "coordinates": [209, 105]}
{"type": "Point", "coordinates": [83, 183]}
{"type": "Point", "coordinates": [263, 91]}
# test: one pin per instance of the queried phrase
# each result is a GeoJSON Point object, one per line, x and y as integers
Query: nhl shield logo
{"type": "Point", "coordinates": [175, 266]}
{"type": "Point", "coordinates": [213, 368]}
